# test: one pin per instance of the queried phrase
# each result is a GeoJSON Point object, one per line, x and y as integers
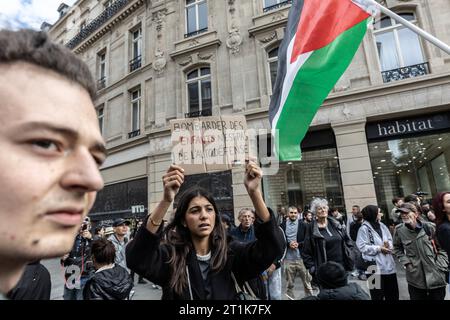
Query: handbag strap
{"type": "Point", "coordinates": [246, 287]}
{"type": "Point", "coordinates": [189, 283]}
{"type": "Point", "coordinates": [238, 289]}
{"type": "Point", "coordinates": [371, 239]}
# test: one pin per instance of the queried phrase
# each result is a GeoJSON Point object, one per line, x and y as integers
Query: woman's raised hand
{"type": "Point", "coordinates": [253, 176]}
{"type": "Point", "coordinates": [172, 181]}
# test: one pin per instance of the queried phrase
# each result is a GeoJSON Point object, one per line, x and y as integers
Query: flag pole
{"type": "Point", "coordinates": [441, 45]}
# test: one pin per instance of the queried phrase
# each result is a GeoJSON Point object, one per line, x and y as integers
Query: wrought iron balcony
{"type": "Point", "coordinates": [203, 113]}
{"type": "Point", "coordinates": [99, 21]}
{"type": "Point", "coordinates": [134, 134]}
{"type": "Point", "coordinates": [101, 84]}
{"type": "Point", "coordinates": [278, 5]}
{"type": "Point", "coordinates": [406, 72]}
{"type": "Point", "coordinates": [135, 63]}
{"type": "Point", "coordinates": [194, 33]}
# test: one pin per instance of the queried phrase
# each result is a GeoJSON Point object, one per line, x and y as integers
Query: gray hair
{"type": "Point", "coordinates": [316, 203]}
{"type": "Point", "coordinates": [244, 210]}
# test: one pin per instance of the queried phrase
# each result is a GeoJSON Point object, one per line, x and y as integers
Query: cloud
{"type": "Point", "coordinates": [17, 14]}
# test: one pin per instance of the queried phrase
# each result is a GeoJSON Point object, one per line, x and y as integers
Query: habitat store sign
{"type": "Point", "coordinates": [408, 126]}
{"type": "Point", "coordinates": [208, 144]}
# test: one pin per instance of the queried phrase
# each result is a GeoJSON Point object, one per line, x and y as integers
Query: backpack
{"type": "Point", "coordinates": [435, 243]}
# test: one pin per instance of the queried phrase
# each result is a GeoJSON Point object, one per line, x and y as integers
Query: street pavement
{"type": "Point", "coordinates": [147, 292]}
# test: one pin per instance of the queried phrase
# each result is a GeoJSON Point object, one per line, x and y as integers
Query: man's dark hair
{"type": "Point", "coordinates": [396, 199]}
{"type": "Point", "coordinates": [37, 48]}
{"type": "Point", "coordinates": [411, 198]}
{"type": "Point", "coordinates": [103, 251]}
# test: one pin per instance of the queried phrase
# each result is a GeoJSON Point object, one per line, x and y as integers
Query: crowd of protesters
{"type": "Point", "coordinates": [317, 245]}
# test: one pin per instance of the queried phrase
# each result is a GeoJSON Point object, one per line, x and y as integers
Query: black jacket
{"type": "Point", "coordinates": [35, 284]}
{"type": "Point", "coordinates": [443, 236]}
{"type": "Point", "coordinates": [109, 284]}
{"type": "Point", "coordinates": [146, 255]}
{"type": "Point", "coordinates": [354, 228]}
{"type": "Point", "coordinates": [314, 246]}
{"type": "Point", "coordinates": [351, 291]}
{"type": "Point", "coordinates": [80, 256]}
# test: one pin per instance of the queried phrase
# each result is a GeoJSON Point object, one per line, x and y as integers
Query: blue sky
{"type": "Point", "coordinates": [16, 14]}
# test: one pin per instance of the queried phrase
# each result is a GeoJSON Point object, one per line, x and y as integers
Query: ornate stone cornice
{"type": "Point", "coordinates": [103, 23]}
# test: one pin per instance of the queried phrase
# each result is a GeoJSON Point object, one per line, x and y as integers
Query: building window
{"type": "Point", "coordinates": [199, 92]}
{"type": "Point", "coordinates": [135, 113]}
{"type": "Point", "coordinates": [316, 175]}
{"type": "Point", "coordinates": [101, 70]}
{"type": "Point", "coordinates": [82, 25]}
{"type": "Point", "coordinates": [196, 17]}
{"type": "Point", "coordinates": [294, 192]}
{"type": "Point", "coordinates": [136, 50]}
{"type": "Point", "coordinates": [399, 49]}
{"type": "Point", "coordinates": [273, 66]}
{"type": "Point", "coordinates": [275, 4]}
{"type": "Point", "coordinates": [101, 118]}
{"type": "Point", "coordinates": [108, 3]}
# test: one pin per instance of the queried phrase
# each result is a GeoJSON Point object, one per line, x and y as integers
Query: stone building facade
{"type": "Point", "coordinates": [166, 59]}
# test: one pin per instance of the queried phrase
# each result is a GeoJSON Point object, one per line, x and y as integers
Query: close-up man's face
{"type": "Point", "coordinates": [51, 153]}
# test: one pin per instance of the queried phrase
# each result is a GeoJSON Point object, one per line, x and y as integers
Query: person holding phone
{"type": "Point", "coordinates": [78, 264]}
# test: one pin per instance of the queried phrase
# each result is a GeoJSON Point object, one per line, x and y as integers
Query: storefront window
{"type": "Point", "coordinates": [298, 182]}
{"type": "Point", "coordinates": [116, 201]}
{"type": "Point", "coordinates": [406, 165]}
{"type": "Point", "coordinates": [440, 172]}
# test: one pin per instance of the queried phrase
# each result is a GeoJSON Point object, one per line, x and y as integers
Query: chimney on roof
{"type": "Point", "coordinates": [45, 26]}
{"type": "Point", "coordinates": [62, 9]}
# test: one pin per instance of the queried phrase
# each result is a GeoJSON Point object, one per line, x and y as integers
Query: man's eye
{"type": "Point", "coordinates": [46, 144]}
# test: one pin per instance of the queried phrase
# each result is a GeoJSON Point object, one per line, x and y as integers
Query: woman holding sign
{"type": "Point", "coordinates": [197, 260]}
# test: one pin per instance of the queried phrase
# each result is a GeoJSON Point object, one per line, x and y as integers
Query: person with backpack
{"type": "Point", "coordinates": [425, 262]}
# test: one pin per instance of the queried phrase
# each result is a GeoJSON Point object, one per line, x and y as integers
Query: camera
{"type": "Point", "coordinates": [84, 227]}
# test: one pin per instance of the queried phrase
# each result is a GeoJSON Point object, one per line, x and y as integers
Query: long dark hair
{"type": "Point", "coordinates": [179, 237]}
{"type": "Point", "coordinates": [438, 206]}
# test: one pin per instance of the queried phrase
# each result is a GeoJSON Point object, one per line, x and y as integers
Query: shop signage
{"type": "Point", "coordinates": [209, 144]}
{"type": "Point", "coordinates": [401, 127]}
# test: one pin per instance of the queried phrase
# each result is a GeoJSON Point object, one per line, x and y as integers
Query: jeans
{"type": "Point", "coordinates": [424, 294]}
{"type": "Point", "coordinates": [388, 290]}
{"type": "Point", "coordinates": [75, 294]}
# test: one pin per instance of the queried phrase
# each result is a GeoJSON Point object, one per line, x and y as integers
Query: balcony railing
{"type": "Point", "coordinates": [203, 113]}
{"type": "Point", "coordinates": [194, 33]}
{"type": "Point", "coordinates": [135, 63]}
{"type": "Point", "coordinates": [406, 72]}
{"type": "Point", "coordinates": [278, 5]}
{"type": "Point", "coordinates": [101, 84]}
{"type": "Point", "coordinates": [97, 22]}
{"type": "Point", "coordinates": [134, 134]}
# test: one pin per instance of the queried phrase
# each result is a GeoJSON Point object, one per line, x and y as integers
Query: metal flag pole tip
{"type": "Point", "coordinates": [371, 4]}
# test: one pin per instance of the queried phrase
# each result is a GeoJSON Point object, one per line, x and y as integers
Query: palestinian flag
{"type": "Point", "coordinates": [320, 40]}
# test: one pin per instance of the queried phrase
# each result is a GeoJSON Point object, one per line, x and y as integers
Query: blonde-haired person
{"type": "Point", "coordinates": [325, 240]}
